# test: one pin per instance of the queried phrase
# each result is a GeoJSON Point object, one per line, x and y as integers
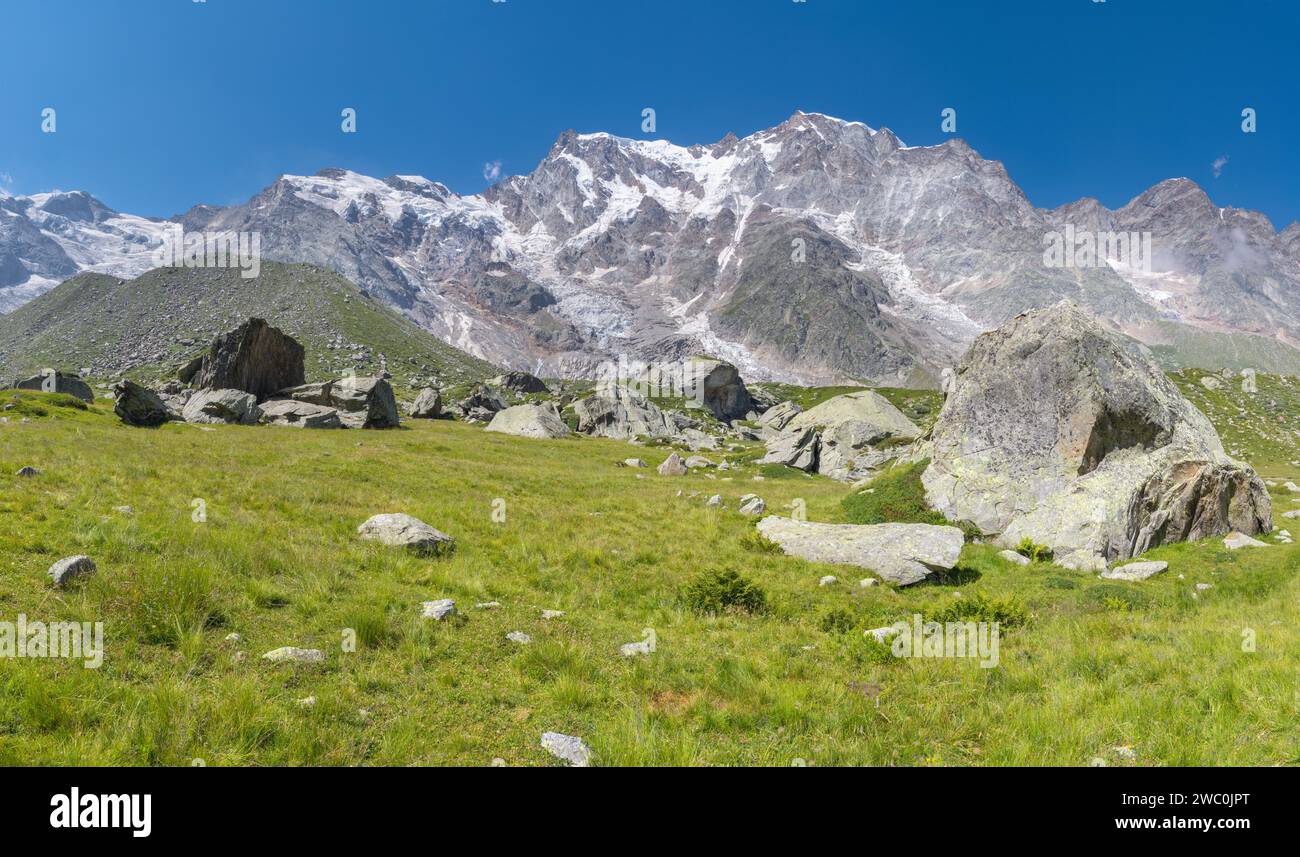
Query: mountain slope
{"type": "Point", "coordinates": [819, 250]}
{"type": "Point", "coordinates": [149, 325]}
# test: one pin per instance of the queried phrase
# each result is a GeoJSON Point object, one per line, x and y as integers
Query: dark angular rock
{"type": "Point", "coordinates": [140, 406]}
{"type": "Point", "coordinates": [255, 358]}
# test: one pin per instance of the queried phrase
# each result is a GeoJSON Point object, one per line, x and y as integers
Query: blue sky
{"type": "Point", "coordinates": [165, 103]}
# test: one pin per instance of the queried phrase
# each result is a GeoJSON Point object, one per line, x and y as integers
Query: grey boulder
{"type": "Point", "coordinates": [535, 421]}
{"type": "Point", "coordinates": [70, 569]}
{"type": "Point", "coordinates": [254, 357]}
{"type": "Point", "coordinates": [427, 405]}
{"type": "Point", "coordinates": [399, 530]}
{"type": "Point", "coordinates": [900, 553]}
{"type": "Point", "coordinates": [286, 412]}
{"type": "Point", "coordinates": [139, 406]}
{"type": "Point", "coordinates": [617, 412]}
{"type": "Point", "coordinates": [68, 383]}
{"type": "Point", "coordinates": [222, 406]}
{"type": "Point", "coordinates": [1061, 431]}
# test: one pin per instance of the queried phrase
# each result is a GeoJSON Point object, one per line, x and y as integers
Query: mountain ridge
{"type": "Point", "coordinates": [615, 245]}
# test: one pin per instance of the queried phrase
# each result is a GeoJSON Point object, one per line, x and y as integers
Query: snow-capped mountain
{"type": "Point", "coordinates": [818, 250]}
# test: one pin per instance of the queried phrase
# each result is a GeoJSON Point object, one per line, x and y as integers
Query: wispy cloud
{"type": "Point", "coordinates": [6, 180]}
{"type": "Point", "coordinates": [1218, 165]}
{"type": "Point", "coordinates": [492, 170]}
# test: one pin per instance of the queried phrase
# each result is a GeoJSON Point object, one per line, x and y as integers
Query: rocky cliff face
{"type": "Point", "coordinates": [818, 250]}
{"type": "Point", "coordinates": [1058, 430]}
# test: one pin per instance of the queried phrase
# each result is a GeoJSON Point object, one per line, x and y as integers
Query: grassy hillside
{"type": "Point", "coordinates": [1085, 665]}
{"type": "Point", "coordinates": [1262, 428]}
{"type": "Point", "coordinates": [114, 326]}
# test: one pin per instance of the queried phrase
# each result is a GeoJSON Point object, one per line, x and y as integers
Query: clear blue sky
{"type": "Point", "coordinates": [165, 103]}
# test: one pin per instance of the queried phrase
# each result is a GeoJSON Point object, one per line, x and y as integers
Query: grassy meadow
{"type": "Point", "coordinates": [1086, 666]}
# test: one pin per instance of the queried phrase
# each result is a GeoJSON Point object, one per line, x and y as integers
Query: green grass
{"type": "Point", "coordinates": [1093, 664]}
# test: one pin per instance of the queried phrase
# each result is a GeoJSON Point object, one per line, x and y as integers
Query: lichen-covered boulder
{"type": "Point", "coordinates": [536, 421]}
{"type": "Point", "coordinates": [617, 412]}
{"type": "Point", "coordinates": [222, 406]}
{"type": "Point", "coordinates": [1061, 431]}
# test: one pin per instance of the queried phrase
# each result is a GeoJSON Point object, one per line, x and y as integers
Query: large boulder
{"type": "Point", "coordinates": [402, 530]}
{"type": "Point", "coordinates": [900, 553]}
{"type": "Point", "coordinates": [615, 411]}
{"type": "Point", "coordinates": [255, 358]}
{"type": "Point", "coordinates": [718, 386]}
{"type": "Point", "coordinates": [287, 412]}
{"type": "Point", "coordinates": [481, 403]}
{"type": "Point", "coordinates": [427, 405]}
{"type": "Point", "coordinates": [843, 437]}
{"type": "Point", "coordinates": [539, 421]}
{"type": "Point", "coordinates": [222, 406]}
{"type": "Point", "coordinates": [779, 416]}
{"type": "Point", "coordinates": [68, 383]}
{"type": "Point", "coordinates": [1061, 431]}
{"type": "Point", "coordinates": [360, 402]}
{"type": "Point", "coordinates": [519, 382]}
{"type": "Point", "coordinates": [140, 406]}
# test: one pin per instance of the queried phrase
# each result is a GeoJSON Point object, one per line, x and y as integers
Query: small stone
{"type": "Point", "coordinates": [399, 530]}
{"type": "Point", "coordinates": [1125, 752]}
{"type": "Point", "coordinates": [498, 762]}
{"type": "Point", "coordinates": [519, 637]}
{"type": "Point", "coordinates": [1235, 541]}
{"type": "Point", "coordinates": [868, 582]}
{"type": "Point", "coordinates": [28, 472]}
{"type": "Point", "coordinates": [234, 638]}
{"type": "Point", "coordinates": [1097, 762]}
{"type": "Point", "coordinates": [69, 569]}
{"type": "Point", "coordinates": [828, 580]}
{"type": "Point", "coordinates": [567, 748]}
{"type": "Point", "coordinates": [124, 510]}
{"type": "Point", "coordinates": [438, 610]}
{"type": "Point", "coordinates": [1012, 556]}
{"type": "Point", "coordinates": [1135, 571]}
{"type": "Point", "coordinates": [882, 634]}
{"type": "Point", "coordinates": [633, 462]}
{"type": "Point", "coordinates": [552, 614]}
{"type": "Point", "coordinates": [673, 466]}
{"type": "Point", "coordinates": [307, 702]}
{"type": "Point", "coordinates": [293, 654]}
{"type": "Point", "coordinates": [714, 502]}
{"type": "Point", "coordinates": [488, 605]}
{"type": "Point", "coordinates": [752, 506]}
{"type": "Point", "coordinates": [1201, 587]}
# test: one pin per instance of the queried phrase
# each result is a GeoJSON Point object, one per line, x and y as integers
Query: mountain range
{"type": "Point", "coordinates": [816, 251]}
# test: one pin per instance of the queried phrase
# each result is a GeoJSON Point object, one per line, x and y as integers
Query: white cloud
{"type": "Point", "coordinates": [492, 170]}
{"type": "Point", "coordinates": [1218, 165]}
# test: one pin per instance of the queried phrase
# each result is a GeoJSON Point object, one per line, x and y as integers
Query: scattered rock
{"type": "Point", "coordinates": [552, 614]}
{"type": "Point", "coordinates": [289, 654]}
{"type": "Point", "coordinates": [284, 412]}
{"type": "Point", "coordinates": [307, 702]}
{"type": "Point", "coordinates": [1135, 571]}
{"type": "Point", "coordinates": [139, 406]}
{"type": "Point", "coordinates": [488, 605]}
{"type": "Point", "coordinates": [427, 406]}
{"type": "Point", "coordinates": [222, 407]}
{"type": "Point", "coordinates": [900, 553]}
{"type": "Point", "coordinates": [714, 502]}
{"type": "Point", "coordinates": [567, 748]}
{"type": "Point", "coordinates": [519, 637]}
{"type": "Point", "coordinates": [672, 466]}
{"type": "Point", "coordinates": [1126, 753]}
{"type": "Point", "coordinates": [1012, 556]}
{"type": "Point", "coordinates": [1236, 541]}
{"type": "Point", "coordinates": [697, 461]}
{"type": "Point", "coordinates": [868, 582]}
{"type": "Point", "coordinates": [535, 421]}
{"type": "Point", "coordinates": [71, 569]}
{"type": "Point", "coordinates": [400, 530]}
{"type": "Point", "coordinates": [633, 462]}
{"type": "Point", "coordinates": [437, 610]}
{"type": "Point", "coordinates": [882, 635]}
{"type": "Point", "coordinates": [752, 506]}
{"type": "Point", "coordinates": [28, 472]}
{"type": "Point", "coordinates": [1201, 587]}
{"type": "Point", "coordinates": [828, 580]}
{"type": "Point", "coordinates": [519, 382]}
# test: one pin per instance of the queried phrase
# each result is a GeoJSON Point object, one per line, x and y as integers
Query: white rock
{"type": "Point", "coordinates": [69, 569]}
{"type": "Point", "coordinates": [488, 605]}
{"type": "Point", "coordinates": [438, 610]}
{"type": "Point", "coordinates": [519, 637]}
{"type": "Point", "coordinates": [288, 654]}
{"type": "Point", "coordinates": [568, 748]}
{"type": "Point", "coordinates": [400, 530]}
{"type": "Point", "coordinates": [1012, 556]}
{"type": "Point", "coordinates": [753, 506]}
{"type": "Point", "coordinates": [868, 582]}
{"type": "Point", "coordinates": [1235, 541]}
{"type": "Point", "coordinates": [714, 501]}
{"type": "Point", "coordinates": [882, 635]}
{"type": "Point", "coordinates": [828, 580]}
{"type": "Point", "coordinates": [552, 614]}
{"type": "Point", "coordinates": [900, 553]}
{"type": "Point", "coordinates": [1135, 571]}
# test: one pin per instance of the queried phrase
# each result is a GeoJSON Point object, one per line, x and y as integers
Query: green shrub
{"type": "Point", "coordinates": [1008, 611]}
{"type": "Point", "coordinates": [717, 592]}
{"type": "Point", "coordinates": [838, 621]}
{"type": "Point", "coordinates": [1117, 597]}
{"type": "Point", "coordinates": [1036, 552]}
{"type": "Point", "coordinates": [759, 543]}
